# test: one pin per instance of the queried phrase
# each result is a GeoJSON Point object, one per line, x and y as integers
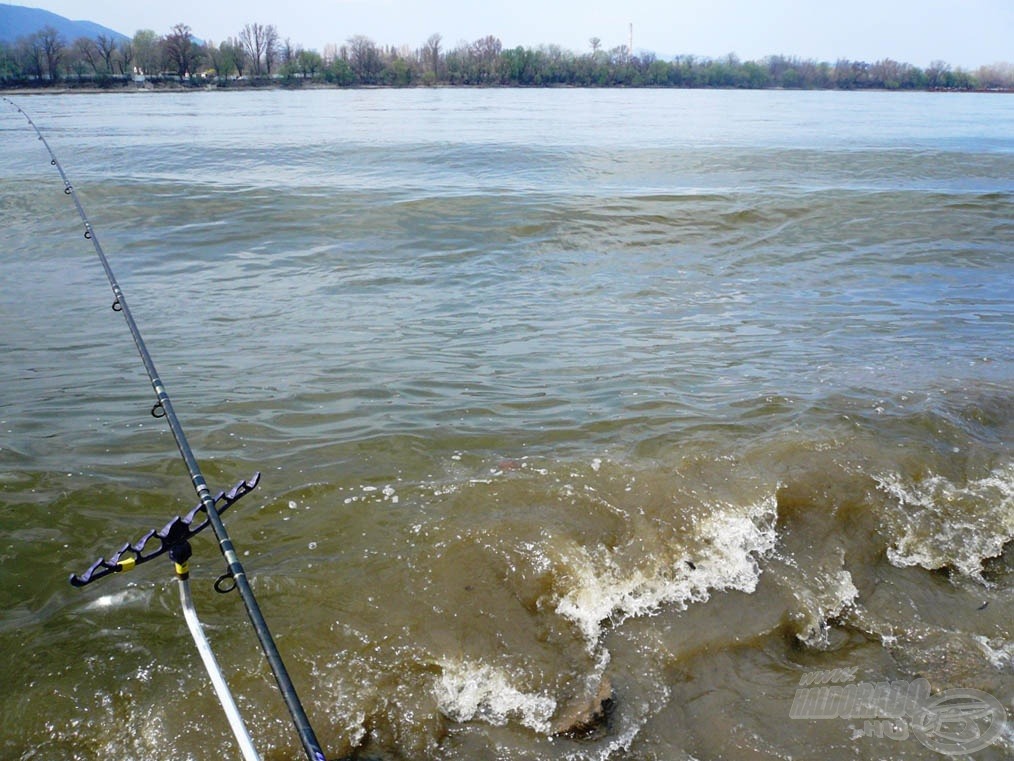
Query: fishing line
{"type": "Point", "coordinates": [178, 531]}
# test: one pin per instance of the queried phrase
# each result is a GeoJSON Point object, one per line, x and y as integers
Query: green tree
{"type": "Point", "coordinates": [221, 59]}
{"type": "Point", "coordinates": [147, 52]}
{"type": "Point", "coordinates": [754, 75]}
{"type": "Point", "coordinates": [398, 72]}
{"type": "Point", "coordinates": [309, 63]}
{"type": "Point", "coordinates": [234, 55]}
{"type": "Point", "coordinates": [791, 79]}
{"type": "Point", "coordinates": [657, 73]}
{"type": "Point", "coordinates": [9, 69]}
{"type": "Point", "coordinates": [962, 80]}
{"type": "Point", "coordinates": [339, 72]}
{"type": "Point", "coordinates": [519, 66]}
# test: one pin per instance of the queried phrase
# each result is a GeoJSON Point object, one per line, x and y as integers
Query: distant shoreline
{"type": "Point", "coordinates": [260, 58]}
{"type": "Point", "coordinates": [171, 86]}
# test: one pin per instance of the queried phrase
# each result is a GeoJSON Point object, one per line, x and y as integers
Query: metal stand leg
{"type": "Point", "coordinates": [211, 666]}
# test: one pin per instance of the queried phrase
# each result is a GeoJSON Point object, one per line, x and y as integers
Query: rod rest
{"type": "Point", "coordinates": [178, 530]}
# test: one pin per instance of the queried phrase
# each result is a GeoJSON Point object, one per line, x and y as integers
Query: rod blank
{"type": "Point", "coordinates": [235, 568]}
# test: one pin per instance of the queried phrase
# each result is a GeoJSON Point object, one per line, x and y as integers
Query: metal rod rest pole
{"type": "Point", "coordinates": [239, 729]}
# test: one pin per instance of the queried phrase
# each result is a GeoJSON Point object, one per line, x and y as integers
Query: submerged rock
{"type": "Point", "coordinates": [584, 715]}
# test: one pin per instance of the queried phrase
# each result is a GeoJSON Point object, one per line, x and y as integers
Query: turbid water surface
{"type": "Point", "coordinates": [689, 399]}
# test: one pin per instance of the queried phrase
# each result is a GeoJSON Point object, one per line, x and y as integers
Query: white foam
{"type": "Point", "coordinates": [727, 544]}
{"type": "Point", "coordinates": [950, 525]}
{"type": "Point", "coordinates": [466, 691]}
{"type": "Point", "coordinates": [1000, 652]}
{"type": "Point", "coordinates": [826, 598]}
{"type": "Point", "coordinates": [126, 597]}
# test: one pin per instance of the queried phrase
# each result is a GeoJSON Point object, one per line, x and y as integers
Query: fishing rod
{"type": "Point", "coordinates": [174, 538]}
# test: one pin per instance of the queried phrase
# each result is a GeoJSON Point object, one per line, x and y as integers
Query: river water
{"type": "Point", "coordinates": [683, 398]}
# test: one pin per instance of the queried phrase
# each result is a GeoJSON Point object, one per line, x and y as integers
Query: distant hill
{"type": "Point", "coordinates": [18, 21]}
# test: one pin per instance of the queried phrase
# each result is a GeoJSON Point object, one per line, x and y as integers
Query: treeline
{"type": "Point", "coordinates": [259, 56]}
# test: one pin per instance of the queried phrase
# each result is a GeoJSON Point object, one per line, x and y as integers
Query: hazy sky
{"type": "Point", "coordinates": [964, 33]}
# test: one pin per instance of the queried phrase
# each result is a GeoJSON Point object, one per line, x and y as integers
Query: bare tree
{"type": "Point", "coordinates": [53, 49]}
{"type": "Point", "coordinates": [431, 54]}
{"type": "Point", "coordinates": [289, 51]}
{"type": "Point", "coordinates": [486, 57]}
{"type": "Point", "coordinates": [29, 54]}
{"type": "Point", "coordinates": [996, 76]}
{"type": "Point", "coordinates": [260, 43]}
{"type": "Point", "coordinates": [364, 57]}
{"type": "Point", "coordinates": [252, 39]}
{"type": "Point", "coordinates": [88, 52]}
{"type": "Point", "coordinates": [891, 74]}
{"type": "Point", "coordinates": [106, 46]}
{"type": "Point", "coordinates": [181, 51]}
{"type": "Point", "coordinates": [125, 56]}
{"type": "Point", "coordinates": [271, 48]}
{"type": "Point", "coordinates": [937, 73]}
